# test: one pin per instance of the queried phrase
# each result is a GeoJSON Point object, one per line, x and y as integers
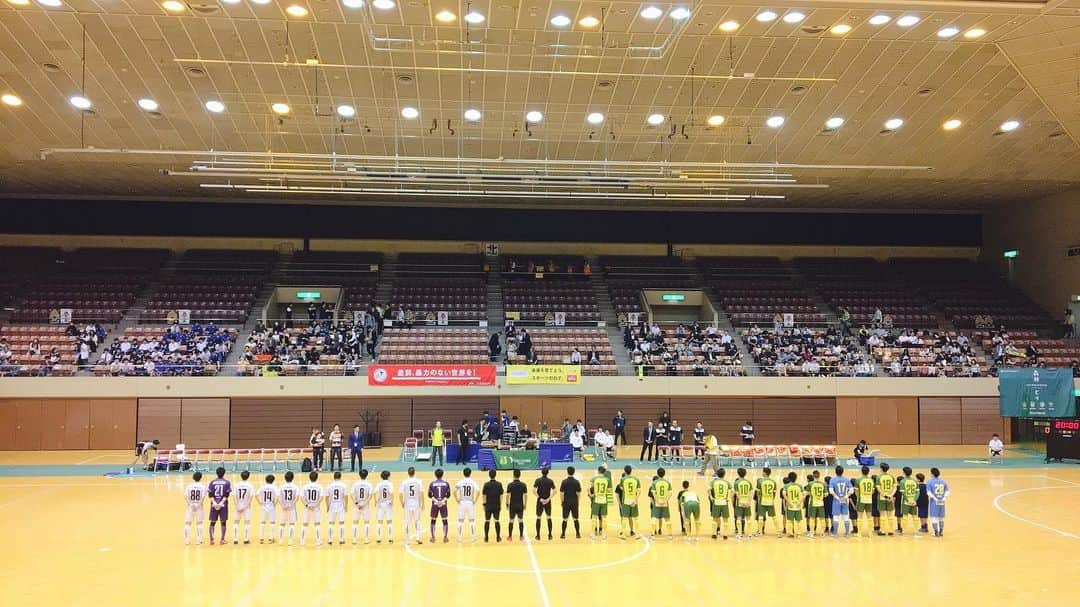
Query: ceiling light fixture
{"type": "Point", "coordinates": [840, 29]}
{"type": "Point", "coordinates": [952, 125]}
{"type": "Point", "coordinates": [383, 5]}
{"type": "Point", "coordinates": [1009, 125]}
{"type": "Point", "coordinates": [729, 26]}
{"type": "Point", "coordinates": [353, 3]}
{"type": "Point", "coordinates": [215, 106]}
{"type": "Point", "coordinates": [595, 118]}
{"type": "Point", "coordinates": [474, 18]}
{"type": "Point", "coordinates": [409, 112]}
{"type": "Point", "coordinates": [295, 10]}
{"type": "Point", "coordinates": [50, 3]}
{"type": "Point", "coordinates": [715, 120]}
{"type": "Point", "coordinates": [907, 21]}
{"type": "Point", "coordinates": [80, 102]}
{"type": "Point", "coordinates": [473, 115]}
{"type": "Point", "coordinates": [264, 2]}
{"type": "Point", "coordinates": [231, 1]}
{"type": "Point", "coordinates": [173, 6]}
{"type": "Point", "coordinates": [588, 21]}
{"type": "Point", "coordinates": [560, 21]}
{"type": "Point", "coordinates": [346, 111]}
{"type": "Point", "coordinates": [765, 16]}
{"type": "Point", "coordinates": [19, 2]}
{"type": "Point", "coordinates": [794, 17]}
{"type": "Point", "coordinates": [894, 123]}
{"type": "Point", "coordinates": [834, 123]}
{"type": "Point", "coordinates": [445, 17]}
{"type": "Point", "coordinates": [775, 122]}
{"type": "Point", "coordinates": [655, 119]}
{"type": "Point", "coordinates": [880, 19]}
{"type": "Point", "coordinates": [12, 100]}
{"type": "Point", "coordinates": [280, 108]}
{"type": "Point", "coordinates": [975, 32]}
{"type": "Point", "coordinates": [679, 13]}
{"type": "Point", "coordinates": [651, 12]}
{"type": "Point", "coordinates": [148, 104]}
{"type": "Point", "coordinates": [947, 32]}
{"type": "Point", "coordinates": [533, 116]}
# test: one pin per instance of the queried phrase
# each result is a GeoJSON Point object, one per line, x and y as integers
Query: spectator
{"type": "Point", "coordinates": [464, 439]}
{"type": "Point", "coordinates": [648, 443]}
{"type": "Point", "coordinates": [618, 423]}
{"type": "Point", "coordinates": [317, 443]}
{"type": "Point", "coordinates": [288, 316]}
{"type": "Point", "coordinates": [747, 433]}
{"type": "Point", "coordinates": [594, 357]}
{"type": "Point", "coordinates": [577, 440]}
{"type": "Point", "coordinates": [494, 348]}
{"type": "Point", "coordinates": [1069, 324]}
{"type": "Point", "coordinates": [356, 449]}
{"type": "Point", "coordinates": [575, 357]}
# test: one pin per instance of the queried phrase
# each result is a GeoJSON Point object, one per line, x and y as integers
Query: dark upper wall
{"type": "Point", "coordinates": [127, 218]}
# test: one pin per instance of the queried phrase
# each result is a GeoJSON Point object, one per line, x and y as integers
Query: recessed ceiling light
{"type": "Point", "coordinates": [840, 29]}
{"type": "Point", "coordinates": [231, 1]}
{"type": "Point", "coordinates": [834, 123]}
{"type": "Point", "coordinates": [715, 120]}
{"type": "Point", "coordinates": [947, 32]}
{"type": "Point", "coordinates": [651, 12]}
{"type": "Point", "coordinates": [281, 108]}
{"type": "Point", "coordinates": [383, 5]}
{"type": "Point", "coordinates": [1009, 125]}
{"type": "Point", "coordinates": [880, 19]}
{"type": "Point", "coordinates": [975, 32]}
{"type": "Point", "coordinates": [295, 10]}
{"type": "Point", "coordinates": [766, 16]}
{"type": "Point", "coordinates": [445, 17]}
{"type": "Point", "coordinates": [148, 104]}
{"type": "Point", "coordinates": [952, 125]}
{"type": "Point", "coordinates": [655, 119]}
{"type": "Point", "coordinates": [595, 118]}
{"type": "Point", "coordinates": [80, 102]}
{"type": "Point", "coordinates": [560, 21]}
{"type": "Point", "coordinates": [907, 21]}
{"type": "Point", "coordinates": [353, 3]}
{"type": "Point", "coordinates": [409, 112]}
{"type": "Point", "coordinates": [173, 6]}
{"type": "Point", "coordinates": [679, 13]}
{"type": "Point", "coordinates": [216, 107]}
{"type": "Point", "coordinates": [50, 3]}
{"type": "Point", "coordinates": [775, 122]}
{"type": "Point", "coordinates": [474, 17]}
{"type": "Point", "coordinates": [473, 115]}
{"type": "Point", "coordinates": [794, 17]}
{"type": "Point", "coordinates": [894, 123]}
{"type": "Point", "coordinates": [12, 100]}
{"type": "Point", "coordinates": [19, 2]}
{"type": "Point", "coordinates": [729, 26]}
{"type": "Point", "coordinates": [533, 116]}
{"type": "Point", "coordinates": [588, 21]}
{"type": "Point", "coordinates": [346, 111]}
{"type": "Point", "coordinates": [264, 2]}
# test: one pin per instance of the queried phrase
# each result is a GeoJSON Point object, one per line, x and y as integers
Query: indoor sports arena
{"type": "Point", "coordinates": [443, 301]}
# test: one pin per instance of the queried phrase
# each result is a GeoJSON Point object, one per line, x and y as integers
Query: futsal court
{"type": "Point", "coordinates": [1012, 537]}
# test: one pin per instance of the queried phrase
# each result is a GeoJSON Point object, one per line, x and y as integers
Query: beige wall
{"type": "Point", "coordinates": [1041, 231]}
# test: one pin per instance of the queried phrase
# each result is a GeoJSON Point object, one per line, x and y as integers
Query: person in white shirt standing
{"type": "Point", "coordinates": [996, 449]}
{"type": "Point", "coordinates": [194, 496]}
{"type": "Point", "coordinates": [336, 495]}
{"type": "Point", "coordinates": [268, 498]}
{"type": "Point", "coordinates": [289, 495]}
{"type": "Point", "coordinates": [384, 507]}
{"type": "Point", "coordinates": [243, 493]}
{"type": "Point", "coordinates": [312, 496]}
{"type": "Point", "coordinates": [412, 498]}
{"type": "Point", "coordinates": [361, 495]}
{"type": "Point", "coordinates": [465, 492]}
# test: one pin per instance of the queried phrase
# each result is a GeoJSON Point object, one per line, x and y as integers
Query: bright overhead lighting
{"type": "Point", "coordinates": [12, 100]}
{"type": "Point", "coordinates": [894, 123]}
{"type": "Point", "coordinates": [353, 3]}
{"type": "Point", "coordinates": [173, 6]}
{"type": "Point", "coordinates": [295, 10]}
{"type": "Point", "coordinates": [952, 125]}
{"type": "Point", "coordinates": [775, 122]}
{"type": "Point", "coordinates": [679, 13]}
{"type": "Point", "coordinates": [729, 26]}
{"type": "Point", "coordinates": [473, 115]}
{"type": "Point", "coordinates": [947, 32]}
{"type": "Point", "coordinates": [215, 106]}
{"type": "Point", "coordinates": [445, 17]}
{"type": "Point", "coordinates": [840, 29]}
{"type": "Point", "coordinates": [50, 3]}
{"type": "Point", "coordinates": [880, 19]}
{"type": "Point", "coordinates": [281, 108]}
{"type": "Point", "coordinates": [80, 102]}
{"type": "Point", "coordinates": [595, 118]}
{"type": "Point", "coordinates": [766, 16]}
{"type": "Point", "coordinates": [346, 111]}
{"type": "Point", "coordinates": [834, 123]}
{"type": "Point", "coordinates": [1009, 125]}
{"type": "Point", "coordinates": [409, 112]}
{"type": "Point", "coordinates": [560, 21]}
{"type": "Point", "coordinates": [907, 21]}
{"type": "Point", "coordinates": [533, 116]}
{"type": "Point", "coordinates": [19, 2]}
{"type": "Point", "coordinates": [148, 104]}
{"type": "Point", "coordinates": [383, 5]}
{"type": "Point", "coordinates": [588, 21]}
{"type": "Point", "coordinates": [975, 32]}
{"type": "Point", "coordinates": [794, 17]}
{"type": "Point", "coordinates": [655, 119]}
{"type": "Point", "coordinates": [231, 1]}
{"type": "Point", "coordinates": [474, 17]}
{"type": "Point", "coordinates": [651, 12]}
{"type": "Point", "coordinates": [261, 1]}
{"type": "Point", "coordinates": [715, 120]}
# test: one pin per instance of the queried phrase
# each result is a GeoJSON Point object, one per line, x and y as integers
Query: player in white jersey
{"type": "Point", "coordinates": [412, 498]}
{"type": "Point", "coordinates": [361, 495]}
{"type": "Point", "coordinates": [194, 496]}
{"type": "Point", "coordinates": [243, 493]}
{"type": "Point", "coordinates": [465, 493]}
{"type": "Point", "coordinates": [268, 498]}
{"type": "Point", "coordinates": [289, 495]}
{"type": "Point", "coordinates": [384, 507]}
{"type": "Point", "coordinates": [312, 495]}
{"type": "Point", "coordinates": [337, 495]}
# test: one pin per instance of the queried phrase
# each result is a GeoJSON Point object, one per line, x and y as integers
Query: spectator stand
{"type": "Point", "coordinates": [683, 349]}
{"type": "Point", "coordinates": [759, 290]}
{"type": "Point", "coordinates": [549, 290]}
{"type": "Point", "coordinates": [195, 350]}
{"type": "Point", "coordinates": [556, 345]}
{"type": "Point", "coordinates": [1022, 348]}
{"type": "Point", "coordinates": [863, 287]}
{"type": "Point", "coordinates": [805, 351]}
{"type": "Point", "coordinates": [628, 276]}
{"type": "Point", "coordinates": [219, 286]}
{"type": "Point", "coordinates": [321, 348]}
{"type": "Point", "coordinates": [926, 353]}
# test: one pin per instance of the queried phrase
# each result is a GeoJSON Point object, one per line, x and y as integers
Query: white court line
{"type": "Point", "coordinates": [997, 504]}
{"type": "Point", "coordinates": [633, 557]}
{"type": "Point", "coordinates": [1061, 480]}
{"type": "Point", "coordinates": [536, 570]}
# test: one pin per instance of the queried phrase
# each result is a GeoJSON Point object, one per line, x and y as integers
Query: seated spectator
{"type": "Point", "coordinates": [594, 357]}
{"type": "Point", "coordinates": [575, 357]}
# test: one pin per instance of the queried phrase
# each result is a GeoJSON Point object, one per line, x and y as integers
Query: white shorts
{"type": "Point", "coordinates": [269, 514]}
{"type": "Point", "coordinates": [312, 515]}
{"type": "Point", "coordinates": [336, 514]}
{"type": "Point", "coordinates": [288, 516]}
{"type": "Point", "coordinates": [362, 512]}
{"type": "Point", "coordinates": [243, 514]}
{"type": "Point", "coordinates": [412, 513]}
{"type": "Point", "coordinates": [466, 510]}
{"type": "Point", "coordinates": [384, 512]}
{"type": "Point", "coordinates": [194, 513]}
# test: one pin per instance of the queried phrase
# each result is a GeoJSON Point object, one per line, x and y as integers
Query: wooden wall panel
{"type": "Point", "coordinates": [273, 422]}
{"type": "Point", "coordinates": [905, 431]}
{"type": "Point", "coordinates": [77, 424]}
{"type": "Point", "coordinates": [530, 409]}
{"type": "Point", "coordinates": [847, 410]}
{"type": "Point", "coordinates": [880, 420]}
{"type": "Point", "coordinates": [113, 423]}
{"type": "Point", "coordinates": [159, 418]}
{"type": "Point", "coordinates": [940, 421]}
{"type": "Point", "coordinates": [557, 408]}
{"type": "Point", "coordinates": [795, 420]}
{"type": "Point", "coordinates": [7, 424]}
{"type": "Point", "coordinates": [599, 411]}
{"type": "Point", "coordinates": [395, 416]}
{"type": "Point", "coordinates": [53, 421]}
{"type": "Point", "coordinates": [204, 423]}
{"type": "Point", "coordinates": [979, 418]}
{"type": "Point", "coordinates": [721, 416]}
{"type": "Point", "coordinates": [450, 410]}
{"type": "Point", "coordinates": [28, 424]}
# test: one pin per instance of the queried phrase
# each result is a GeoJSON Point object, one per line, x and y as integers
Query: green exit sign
{"type": "Point", "coordinates": [308, 295]}
{"type": "Point", "coordinates": [1011, 254]}
{"type": "Point", "coordinates": [673, 297]}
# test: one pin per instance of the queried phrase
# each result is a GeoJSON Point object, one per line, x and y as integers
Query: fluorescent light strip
{"type": "Point", "coordinates": [473, 193]}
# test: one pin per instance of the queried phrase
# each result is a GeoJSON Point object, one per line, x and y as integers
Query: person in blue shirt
{"type": "Point", "coordinates": [619, 424]}
{"type": "Point", "coordinates": [937, 490]}
{"type": "Point", "coordinates": [840, 488]}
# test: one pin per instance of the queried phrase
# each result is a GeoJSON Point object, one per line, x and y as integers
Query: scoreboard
{"type": "Point", "coordinates": [1063, 440]}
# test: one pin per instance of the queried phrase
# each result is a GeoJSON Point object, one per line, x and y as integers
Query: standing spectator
{"type": "Point", "coordinates": [1069, 325]}
{"type": "Point", "coordinates": [438, 442]}
{"type": "Point", "coordinates": [648, 443]}
{"type": "Point", "coordinates": [288, 316]}
{"type": "Point", "coordinates": [494, 348]}
{"type": "Point", "coordinates": [463, 442]}
{"type": "Point", "coordinates": [747, 433]}
{"type": "Point", "coordinates": [618, 423]}
{"type": "Point", "coordinates": [317, 442]}
{"type": "Point", "coordinates": [356, 449]}
{"type": "Point", "coordinates": [566, 427]}
{"type": "Point", "coordinates": [335, 447]}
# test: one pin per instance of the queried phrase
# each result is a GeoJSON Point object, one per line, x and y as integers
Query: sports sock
{"type": "Point", "coordinates": [433, 530]}
{"type": "Point", "coordinates": [212, 525]}
{"type": "Point", "coordinates": [577, 527]}
{"type": "Point", "coordinates": [538, 527]}
{"type": "Point", "coordinates": [303, 534]}
{"type": "Point", "coordinates": [223, 525]}
{"type": "Point", "coordinates": [521, 529]}
{"type": "Point", "coordinates": [187, 533]}
{"type": "Point", "coordinates": [459, 526]}
{"type": "Point", "coordinates": [198, 532]}
{"type": "Point", "coordinates": [318, 533]}
{"type": "Point", "coordinates": [367, 531]}
{"type": "Point", "coordinates": [236, 532]}
{"type": "Point", "coordinates": [549, 526]}
{"type": "Point", "coordinates": [498, 529]}
{"type": "Point", "coordinates": [390, 531]}
{"type": "Point", "coordinates": [564, 527]}
{"type": "Point", "coordinates": [487, 530]}
{"type": "Point", "coordinates": [247, 532]}
{"type": "Point", "coordinates": [356, 532]}
{"type": "Point", "coordinates": [445, 529]}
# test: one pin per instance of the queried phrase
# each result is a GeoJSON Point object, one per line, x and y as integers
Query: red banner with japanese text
{"type": "Point", "coordinates": [431, 375]}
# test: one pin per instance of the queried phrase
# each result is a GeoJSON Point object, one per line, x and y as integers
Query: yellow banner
{"type": "Point", "coordinates": [543, 374]}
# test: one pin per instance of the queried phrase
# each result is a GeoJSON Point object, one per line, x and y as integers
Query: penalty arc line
{"type": "Point", "coordinates": [997, 505]}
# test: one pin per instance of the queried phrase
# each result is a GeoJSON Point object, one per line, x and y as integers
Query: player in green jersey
{"type": "Point", "coordinates": [793, 503]}
{"type": "Point", "coordinates": [690, 507]}
{"type": "Point", "coordinates": [864, 501]}
{"type": "Point", "coordinates": [629, 490]}
{"type": "Point", "coordinates": [720, 503]}
{"type": "Point", "coordinates": [660, 494]}
{"type": "Point", "coordinates": [815, 511]}
{"type": "Point", "coordinates": [744, 499]}
{"type": "Point", "coordinates": [598, 493]}
{"type": "Point", "coordinates": [909, 501]}
{"type": "Point", "coordinates": [766, 501]}
{"type": "Point", "coordinates": [886, 490]}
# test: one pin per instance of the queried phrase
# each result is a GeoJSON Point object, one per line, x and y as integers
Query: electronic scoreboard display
{"type": "Point", "coordinates": [1063, 441]}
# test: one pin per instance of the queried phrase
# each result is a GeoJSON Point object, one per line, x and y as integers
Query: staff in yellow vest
{"type": "Point", "coordinates": [438, 442]}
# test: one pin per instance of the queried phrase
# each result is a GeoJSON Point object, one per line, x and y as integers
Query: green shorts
{"type": "Point", "coordinates": [794, 515]}
{"type": "Point", "coordinates": [861, 507]}
{"type": "Point", "coordinates": [742, 511]}
{"type": "Point", "coordinates": [886, 506]}
{"type": "Point", "coordinates": [661, 512]}
{"type": "Point", "coordinates": [906, 510]}
{"type": "Point", "coordinates": [721, 511]}
{"type": "Point", "coordinates": [599, 509]}
{"type": "Point", "coordinates": [628, 511]}
{"type": "Point", "coordinates": [763, 511]}
{"type": "Point", "coordinates": [692, 510]}
{"type": "Point", "coordinates": [816, 512]}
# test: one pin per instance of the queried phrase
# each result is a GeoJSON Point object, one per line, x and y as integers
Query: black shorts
{"type": "Point", "coordinates": [570, 509]}
{"type": "Point", "coordinates": [517, 511]}
{"type": "Point", "coordinates": [542, 508]}
{"type": "Point", "coordinates": [490, 513]}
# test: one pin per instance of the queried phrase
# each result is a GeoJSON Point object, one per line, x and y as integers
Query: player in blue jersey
{"type": "Point", "coordinates": [840, 488]}
{"type": "Point", "coordinates": [937, 490]}
{"type": "Point", "coordinates": [439, 492]}
{"type": "Point", "coordinates": [219, 490]}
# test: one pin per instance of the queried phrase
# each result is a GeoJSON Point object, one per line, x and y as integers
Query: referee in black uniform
{"type": "Point", "coordinates": [571, 490]}
{"type": "Point", "coordinates": [515, 502]}
{"type": "Point", "coordinates": [493, 492]}
{"type": "Point", "coordinates": [543, 487]}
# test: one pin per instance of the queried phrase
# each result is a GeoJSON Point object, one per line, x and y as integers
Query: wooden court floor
{"type": "Point", "coordinates": [1012, 537]}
